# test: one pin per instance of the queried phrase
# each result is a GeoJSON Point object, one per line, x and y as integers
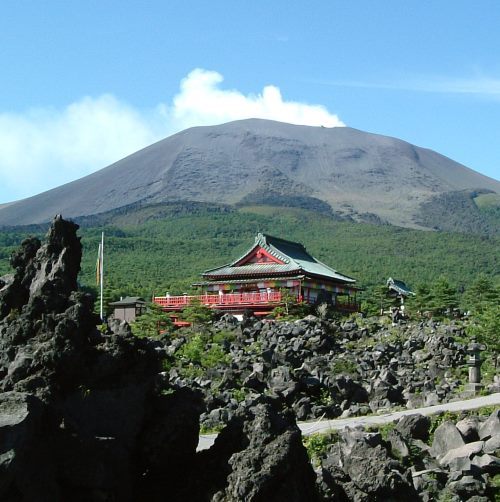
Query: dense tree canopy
{"type": "Point", "coordinates": [153, 250]}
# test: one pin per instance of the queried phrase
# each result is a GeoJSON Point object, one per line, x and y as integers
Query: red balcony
{"type": "Point", "coordinates": [242, 300]}
{"type": "Point", "coordinates": [239, 301]}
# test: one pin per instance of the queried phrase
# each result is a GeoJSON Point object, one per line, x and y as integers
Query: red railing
{"type": "Point", "coordinates": [219, 300]}
{"type": "Point", "coordinates": [237, 299]}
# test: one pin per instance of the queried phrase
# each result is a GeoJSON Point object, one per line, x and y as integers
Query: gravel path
{"type": "Point", "coordinates": [206, 440]}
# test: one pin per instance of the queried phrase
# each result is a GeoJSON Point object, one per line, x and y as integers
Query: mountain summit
{"type": "Point", "coordinates": [258, 161]}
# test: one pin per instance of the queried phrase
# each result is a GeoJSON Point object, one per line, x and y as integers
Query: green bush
{"type": "Point", "coordinates": [214, 356]}
{"type": "Point", "coordinates": [192, 351]}
{"type": "Point", "coordinates": [239, 395]}
{"type": "Point", "coordinates": [195, 352]}
{"type": "Point", "coordinates": [317, 445]}
{"type": "Point", "coordinates": [154, 323]}
{"type": "Point", "coordinates": [197, 314]}
{"type": "Point", "coordinates": [344, 366]}
{"type": "Point", "coordinates": [222, 337]}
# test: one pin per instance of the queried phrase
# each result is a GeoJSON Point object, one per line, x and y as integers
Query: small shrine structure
{"type": "Point", "coordinates": [128, 308]}
{"type": "Point", "coordinates": [398, 290]}
{"type": "Point", "coordinates": [259, 279]}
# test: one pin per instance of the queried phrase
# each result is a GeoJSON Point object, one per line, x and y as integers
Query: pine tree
{"type": "Point", "coordinates": [444, 297]}
{"type": "Point", "coordinates": [423, 299]}
{"type": "Point", "coordinates": [197, 314]}
{"type": "Point", "coordinates": [485, 327]}
{"type": "Point", "coordinates": [153, 323]}
{"type": "Point", "coordinates": [480, 294]}
{"type": "Point", "coordinates": [109, 296]}
{"type": "Point", "coordinates": [376, 300]}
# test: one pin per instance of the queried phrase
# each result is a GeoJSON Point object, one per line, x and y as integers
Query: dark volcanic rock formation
{"type": "Point", "coordinates": [80, 414]}
{"type": "Point", "coordinates": [322, 368]}
{"type": "Point", "coordinates": [87, 415]}
{"type": "Point", "coordinates": [271, 463]}
{"type": "Point", "coordinates": [361, 466]}
{"type": "Point", "coordinates": [363, 469]}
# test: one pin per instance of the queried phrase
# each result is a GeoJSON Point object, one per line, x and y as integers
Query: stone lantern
{"type": "Point", "coordinates": [474, 363]}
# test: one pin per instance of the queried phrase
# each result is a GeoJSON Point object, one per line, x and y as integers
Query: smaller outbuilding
{"type": "Point", "coordinates": [128, 308]}
{"type": "Point", "coordinates": [398, 289]}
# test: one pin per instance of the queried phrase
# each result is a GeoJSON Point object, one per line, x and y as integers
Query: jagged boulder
{"type": "Point", "coordinates": [399, 446]}
{"type": "Point", "coordinates": [491, 427]}
{"type": "Point", "coordinates": [374, 472]}
{"type": "Point", "coordinates": [361, 468]}
{"type": "Point", "coordinates": [21, 423]}
{"type": "Point", "coordinates": [264, 459]}
{"type": "Point", "coordinates": [446, 437]}
{"type": "Point", "coordinates": [466, 451]}
{"type": "Point", "coordinates": [469, 428]}
{"type": "Point", "coordinates": [44, 275]}
{"type": "Point", "coordinates": [81, 417]}
{"type": "Point", "coordinates": [467, 486]}
{"type": "Point", "coordinates": [414, 427]}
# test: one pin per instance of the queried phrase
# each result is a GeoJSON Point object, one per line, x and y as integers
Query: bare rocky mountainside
{"type": "Point", "coordinates": [350, 172]}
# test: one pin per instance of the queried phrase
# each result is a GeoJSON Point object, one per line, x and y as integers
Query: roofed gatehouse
{"type": "Point", "coordinates": [257, 279]}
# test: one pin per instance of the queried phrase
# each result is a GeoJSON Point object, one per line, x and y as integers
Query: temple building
{"type": "Point", "coordinates": [258, 279]}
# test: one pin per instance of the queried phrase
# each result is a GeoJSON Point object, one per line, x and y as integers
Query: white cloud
{"type": "Point", "coordinates": [484, 87]}
{"type": "Point", "coordinates": [202, 102]}
{"type": "Point", "coordinates": [481, 86]}
{"type": "Point", "coordinates": [44, 148]}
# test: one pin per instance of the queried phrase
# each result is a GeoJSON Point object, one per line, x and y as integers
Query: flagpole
{"type": "Point", "coordinates": [101, 274]}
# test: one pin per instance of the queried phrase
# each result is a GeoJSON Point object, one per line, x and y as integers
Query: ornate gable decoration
{"type": "Point", "coordinates": [273, 257]}
{"type": "Point", "coordinates": [259, 255]}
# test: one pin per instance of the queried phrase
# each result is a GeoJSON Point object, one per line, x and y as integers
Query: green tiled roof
{"type": "Point", "coordinates": [247, 280]}
{"type": "Point", "coordinates": [399, 287]}
{"type": "Point", "coordinates": [128, 300]}
{"type": "Point", "coordinates": [293, 254]}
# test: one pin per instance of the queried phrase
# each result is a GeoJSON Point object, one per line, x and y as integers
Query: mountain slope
{"type": "Point", "coordinates": [353, 171]}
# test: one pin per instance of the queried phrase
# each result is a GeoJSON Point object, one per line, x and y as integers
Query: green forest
{"type": "Point", "coordinates": [165, 247]}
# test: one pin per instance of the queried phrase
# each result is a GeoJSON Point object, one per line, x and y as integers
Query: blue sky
{"type": "Point", "coordinates": [84, 83]}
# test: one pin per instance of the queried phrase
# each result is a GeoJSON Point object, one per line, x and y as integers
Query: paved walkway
{"type": "Point", "coordinates": [307, 428]}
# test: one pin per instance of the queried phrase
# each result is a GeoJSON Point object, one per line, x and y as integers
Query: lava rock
{"type": "Point", "coordinates": [465, 451]}
{"type": "Point", "coordinates": [446, 437]}
{"type": "Point", "coordinates": [414, 426]}
{"type": "Point", "coordinates": [491, 427]}
{"type": "Point", "coordinates": [261, 453]}
{"type": "Point", "coordinates": [469, 428]}
{"type": "Point", "coordinates": [81, 413]}
{"type": "Point", "coordinates": [373, 471]}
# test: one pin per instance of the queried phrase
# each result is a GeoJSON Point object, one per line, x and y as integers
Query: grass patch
{"type": "Point", "coordinates": [343, 366]}
{"type": "Point", "coordinates": [495, 487]}
{"type": "Point", "coordinates": [211, 430]}
{"type": "Point", "coordinates": [317, 445]}
{"type": "Point", "coordinates": [487, 200]}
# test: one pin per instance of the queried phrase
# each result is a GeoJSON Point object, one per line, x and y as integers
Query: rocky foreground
{"type": "Point", "coordinates": [87, 415]}
{"type": "Point", "coordinates": [319, 368]}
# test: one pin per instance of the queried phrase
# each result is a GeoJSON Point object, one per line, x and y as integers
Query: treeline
{"type": "Point", "coordinates": [462, 211]}
{"type": "Point", "coordinates": [438, 298]}
{"type": "Point", "coordinates": [160, 248]}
